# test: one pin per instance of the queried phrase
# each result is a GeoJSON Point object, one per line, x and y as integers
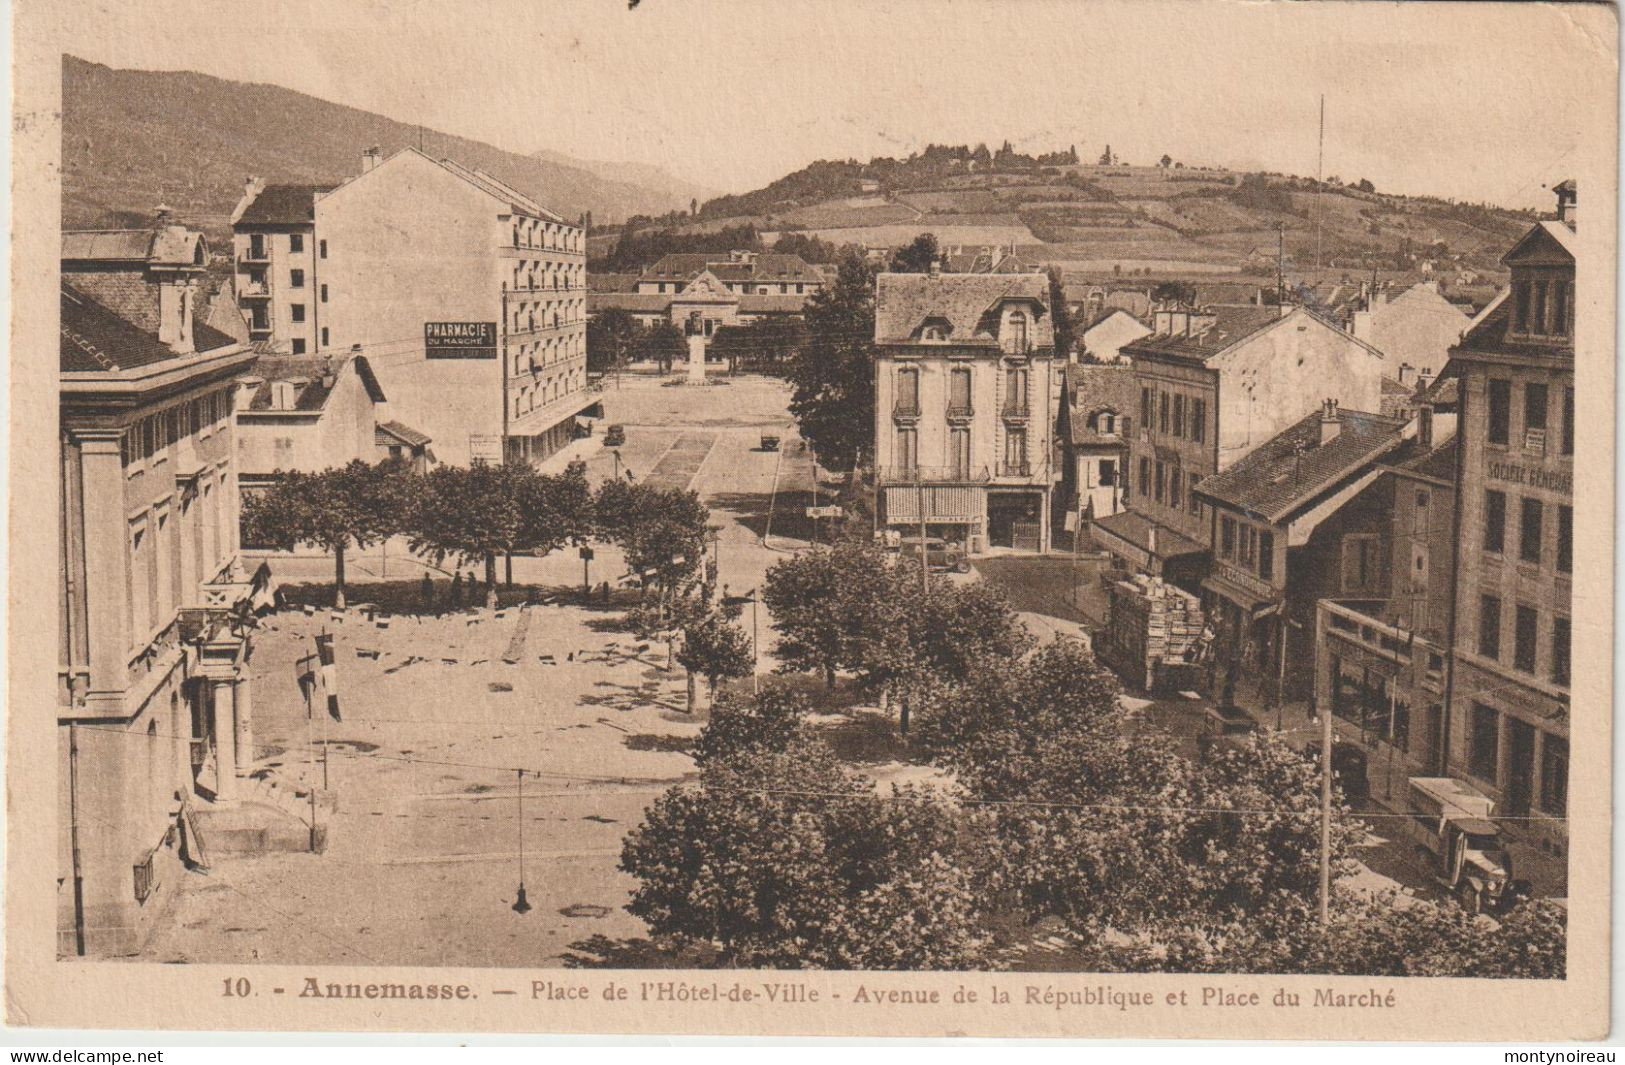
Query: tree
{"type": "Point", "coordinates": [555, 510]}
{"type": "Point", "coordinates": [1065, 337]}
{"type": "Point", "coordinates": [784, 859]}
{"type": "Point", "coordinates": [917, 256]}
{"type": "Point", "coordinates": [836, 608]}
{"type": "Point", "coordinates": [770, 721]}
{"type": "Point", "coordinates": [766, 345]}
{"type": "Point", "coordinates": [662, 343]}
{"type": "Point", "coordinates": [1364, 185]}
{"type": "Point", "coordinates": [661, 531]}
{"type": "Point", "coordinates": [612, 336]}
{"type": "Point", "coordinates": [337, 508]}
{"type": "Point", "coordinates": [471, 514]}
{"type": "Point", "coordinates": [716, 649]}
{"type": "Point", "coordinates": [1166, 161]}
{"type": "Point", "coordinates": [1106, 157]}
{"type": "Point", "coordinates": [833, 371]}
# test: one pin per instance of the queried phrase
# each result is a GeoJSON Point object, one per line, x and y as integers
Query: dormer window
{"type": "Point", "coordinates": [934, 334]}
{"type": "Point", "coordinates": [1542, 306]}
{"type": "Point", "coordinates": [1016, 328]}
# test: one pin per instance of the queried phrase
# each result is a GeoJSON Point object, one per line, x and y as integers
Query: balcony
{"type": "Point", "coordinates": [960, 412]}
{"type": "Point", "coordinates": [1015, 469]}
{"type": "Point", "coordinates": [254, 290]}
{"type": "Point", "coordinates": [532, 291]}
{"type": "Point", "coordinates": [906, 412]}
{"type": "Point", "coordinates": [256, 255]}
{"type": "Point", "coordinates": [1016, 411]}
{"type": "Point", "coordinates": [900, 475]}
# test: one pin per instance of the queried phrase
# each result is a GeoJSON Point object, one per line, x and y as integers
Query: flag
{"type": "Point", "coordinates": [330, 672]}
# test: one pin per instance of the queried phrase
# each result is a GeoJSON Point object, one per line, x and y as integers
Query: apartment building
{"type": "Point", "coordinates": [468, 299]}
{"type": "Point", "coordinates": [963, 407]}
{"type": "Point", "coordinates": [1509, 700]}
{"type": "Point", "coordinates": [274, 254]}
{"type": "Point", "coordinates": [1214, 384]}
{"type": "Point", "coordinates": [153, 700]}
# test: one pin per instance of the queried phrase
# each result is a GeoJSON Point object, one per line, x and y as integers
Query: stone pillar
{"type": "Point", "coordinates": [696, 359]}
{"type": "Point", "coordinates": [242, 708]}
{"type": "Point", "coordinates": [225, 741]}
{"type": "Point", "coordinates": [106, 573]}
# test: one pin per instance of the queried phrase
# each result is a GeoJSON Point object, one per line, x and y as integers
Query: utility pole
{"type": "Point", "coordinates": [1320, 171]}
{"type": "Point", "coordinates": [1280, 264]}
{"type": "Point", "coordinates": [925, 568]}
{"type": "Point", "coordinates": [1325, 816]}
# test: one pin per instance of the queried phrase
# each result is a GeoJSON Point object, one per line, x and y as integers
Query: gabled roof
{"type": "Point", "coordinates": [307, 373]}
{"type": "Point", "coordinates": [163, 246]}
{"type": "Point", "coordinates": [969, 303]}
{"type": "Point", "coordinates": [1438, 463]}
{"type": "Point", "coordinates": [96, 340]}
{"type": "Point", "coordinates": [403, 433]}
{"type": "Point", "coordinates": [1548, 233]}
{"type": "Point", "coordinates": [1294, 467]}
{"type": "Point", "coordinates": [1089, 389]}
{"type": "Point", "coordinates": [283, 205]}
{"type": "Point", "coordinates": [632, 302]}
{"type": "Point", "coordinates": [1491, 330]}
{"type": "Point", "coordinates": [1231, 326]}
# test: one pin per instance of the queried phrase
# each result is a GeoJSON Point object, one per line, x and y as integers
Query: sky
{"type": "Point", "coordinates": [1470, 101]}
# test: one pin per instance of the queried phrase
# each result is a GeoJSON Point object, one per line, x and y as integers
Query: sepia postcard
{"type": "Point", "coordinates": [868, 518]}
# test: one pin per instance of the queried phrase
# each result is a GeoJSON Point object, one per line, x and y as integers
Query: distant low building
{"type": "Point", "coordinates": [1102, 337]}
{"type": "Point", "coordinates": [701, 292]}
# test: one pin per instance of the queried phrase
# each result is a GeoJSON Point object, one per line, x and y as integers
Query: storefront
{"type": "Point", "coordinates": [1142, 546]}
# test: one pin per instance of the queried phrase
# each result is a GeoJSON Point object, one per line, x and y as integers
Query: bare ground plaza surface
{"type": "Point", "coordinates": [421, 805]}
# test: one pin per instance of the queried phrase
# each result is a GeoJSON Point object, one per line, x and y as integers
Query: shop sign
{"type": "Point", "coordinates": [1532, 476]}
{"type": "Point", "coordinates": [1247, 582]}
{"type": "Point", "coordinates": [460, 340]}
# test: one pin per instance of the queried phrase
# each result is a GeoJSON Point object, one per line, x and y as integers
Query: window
{"type": "Point", "coordinates": [1534, 407]}
{"type": "Point", "coordinates": [1015, 452]}
{"type": "Point", "coordinates": [1568, 421]}
{"type": "Point", "coordinates": [1489, 626]}
{"type": "Point", "coordinates": [1554, 774]}
{"type": "Point", "coordinates": [1362, 568]}
{"type": "Point", "coordinates": [1162, 413]}
{"type": "Point", "coordinates": [1108, 473]}
{"type": "Point", "coordinates": [908, 390]}
{"type": "Point", "coordinates": [296, 242]}
{"type": "Point", "coordinates": [1266, 555]}
{"type": "Point", "coordinates": [1198, 420]}
{"type": "Point", "coordinates": [296, 279]}
{"type": "Point", "coordinates": [1562, 309]}
{"type": "Point", "coordinates": [1015, 385]}
{"type": "Point", "coordinates": [1176, 487]}
{"type": "Point", "coordinates": [908, 453]}
{"type": "Point", "coordinates": [1500, 425]}
{"type": "Point", "coordinates": [1495, 521]}
{"type": "Point", "coordinates": [1179, 415]}
{"type": "Point", "coordinates": [1248, 538]}
{"type": "Point", "coordinates": [1565, 539]}
{"type": "Point", "coordinates": [298, 345]}
{"type": "Point", "coordinates": [1537, 312]}
{"type": "Point", "coordinates": [324, 336]}
{"type": "Point", "coordinates": [1161, 490]}
{"type": "Point", "coordinates": [1484, 748]}
{"type": "Point", "coordinates": [1018, 331]}
{"type": "Point", "coordinates": [1525, 622]}
{"type": "Point", "coordinates": [1196, 504]}
{"type": "Point", "coordinates": [1529, 531]}
{"type": "Point", "coordinates": [256, 246]}
{"type": "Point", "coordinates": [1227, 537]}
{"type": "Point", "coordinates": [959, 391]}
{"type": "Point", "coordinates": [1419, 515]}
{"type": "Point", "coordinates": [321, 248]}
{"type": "Point", "coordinates": [1145, 406]}
{"type": "Point", "coordinates": [296, 312]}
{"type": "Point", "coordinates": [1560, 649]}
{"type": "Point", "coordinates": [140, 580]}
{"type": "Point", "coordinates": [959, 450]}
{"type": "Point", "coordinates": [1520, 295]}
{"type": "Point", "coordinates": [324, 293]}
{"type": "Point", "coordinates": [1145, 475]}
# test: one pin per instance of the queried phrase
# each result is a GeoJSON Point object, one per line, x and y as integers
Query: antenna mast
{"type": "Point", "coordinates": [1320, 180]}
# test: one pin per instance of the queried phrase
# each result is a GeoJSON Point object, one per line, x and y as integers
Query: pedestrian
{"type": "Point", "coordinates": [426, 593]}
{"type": "Point", "coordinates": [605, 592]}
{"type": "Point", "coordinates": [457, 591]}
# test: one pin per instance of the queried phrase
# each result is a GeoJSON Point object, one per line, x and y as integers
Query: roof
{"type": "Point", "coordinates": [606, 282]}
{"type": "Point", "coordinates": [1231, 325]}
{"type": "Point", "coordinates": [519, 201]}
{"type": "Point", "coordinates": [768, 266]}
{"type": "Point", "coordinates": [404, 433]}
{"type": "Point", "coordinates": [1490, 331]}
{"type": "Point", "coordinates": [966, 302]}
{"type": "Point", "coordinates": [634, 302]}
{"type": "Point", "coordinates": [162, 246]}
{"type": "Point", "coordinates": [1136, 528]}
{"type": "Point", "coordinates": [306, 372]}
{"type": "Point", "coordinates": [1292, 468]}
{"type": "Point", "coordinates": [96, 340]}
{"type": "Point", "coordinates": [772, 303]}
{"type": "Point", "coordinates": [1094, 388]}
{"type": "Point", "coordinates": [283, 205]}
{"type": "Point", "coordinates": [1438, 462]}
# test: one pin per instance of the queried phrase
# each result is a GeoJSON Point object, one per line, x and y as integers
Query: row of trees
{"type": "Point", "coordinates": [473, 515]}
{"type": "Point", "coordinates": [1063, 815]}
{"type": "Point", "coordinates": [615, 338]}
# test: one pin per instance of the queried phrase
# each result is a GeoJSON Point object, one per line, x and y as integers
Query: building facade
{"type": "Point", "coordinates": [467, 297]}
{"type": "Point", "coordinates": [1509, 697]}
{"type": "Point", "coordinates": [702, 292]}
{"type": "Point", "coordinates": [1093, 426]}
{"type": "Point", "coordinates": [1213, 386]}
{"type": "Point", "coordinates": [153, 700]}
{"type": "Point", "coordinates": [276, 267]}
{"type": "Point", "coordinates": [963, 407]}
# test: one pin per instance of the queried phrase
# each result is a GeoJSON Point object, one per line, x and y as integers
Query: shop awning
{"type": "Point", "coordinates": [943, 503]}
{"type": "Point", "coordinates": [1249, 600]}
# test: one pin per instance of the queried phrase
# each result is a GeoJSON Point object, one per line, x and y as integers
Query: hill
{"type": "Point", "coordinates": [1121, 220]}
{"type": "Point", "coordinates": [676, 191]}
{"type": "Point", "coordinates": [132, 139]}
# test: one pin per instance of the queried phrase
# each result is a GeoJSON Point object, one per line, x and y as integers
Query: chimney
{"type": "Point", "coordinates": [1424, 377]}
{"type": "Point", "coordinates": [1330, 426]}
{"type": "Point", "coordinates": [328, 376]}
{"type": "Point", "coordinates": [1568, 202]}
{"type": "Point", "coordinates": [1407, 373]}
{"type": "Point", "coordinates": [369, 158]}
{"type": "Point", "coordinates": [164, 214]}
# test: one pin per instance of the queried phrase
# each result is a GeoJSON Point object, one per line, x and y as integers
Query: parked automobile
{"type": "Point", "coordinates": [615, 436]}
{"type": "Point", "coordinates": [1465, 849]}
{"type": "Point", "coordinates": [1223, 726]}
{"type": "Point", "coordinates": [770, 442]}
{"type": "Point", "coordinates": [940, 555]}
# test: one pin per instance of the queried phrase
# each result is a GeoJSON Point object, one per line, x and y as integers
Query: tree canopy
{"type": "Point", "coordinates": [833, 372]}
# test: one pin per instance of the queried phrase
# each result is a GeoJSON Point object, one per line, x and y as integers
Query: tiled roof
{"type": "Point", "coordinates": [94, 339]}
{"type": "Point", "coordinates": [306, 372]}
{"type": "Point", "coordinates": [1231, 325]}
{"type": "Point", "coordinates": [404, 433]}
{"type": "Point", "coordinates": [606, 282]}
{"type": "Point", "coordinates": [283, 205]}
{"type": "Point", "coordinates": [1094, 388]}
{"type": "Point", "coordinates": [634, 302]}
{"type": "Point", "coordinates": [163, 246]}
{"type": "Point", "coordinates": [768, 266]}
{"type": "Point", "coordinates": [968, 303]}
{"type": "Point", "coordinates": [1438, 462]}
{"type": "Point", "coordinates": [1294, 467]}
{"type": "Point", "coordinates": [772, 303]}
{"type": "Point", "coordinates": [1491, 329]}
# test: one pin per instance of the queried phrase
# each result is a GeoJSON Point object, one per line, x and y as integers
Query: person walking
{"type": "Point", "coordinates": [426, 593]}
{"type": "Point", "coordinates": [457, 591]}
